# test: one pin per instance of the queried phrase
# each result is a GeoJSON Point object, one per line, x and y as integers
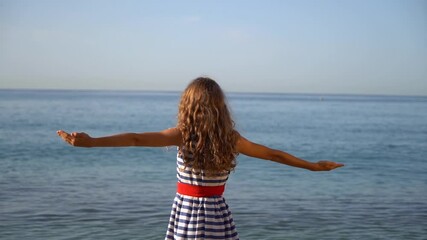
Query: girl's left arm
{"type": "Point", "coordinates": [251, 149]}
{"type": "Point", "coordinates": [167, 137]}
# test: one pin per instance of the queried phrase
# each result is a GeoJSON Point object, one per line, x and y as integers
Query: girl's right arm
{"type": "Point", "coordinates": [167, 137]}
{"type": "Point", "coordinates": [251, 149]}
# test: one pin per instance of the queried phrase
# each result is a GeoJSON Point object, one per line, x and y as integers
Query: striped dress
{"type": "Point", "coordinates": [200, 217]}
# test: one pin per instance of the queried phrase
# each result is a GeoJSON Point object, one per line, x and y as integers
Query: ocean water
{"type": "Point", "coordinates": [50, 190]}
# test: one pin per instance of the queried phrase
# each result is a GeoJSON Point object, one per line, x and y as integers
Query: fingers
{"type": "Point", "coordinates": [62, 134]}
{"type": "Point", "coordinates": [337, 165]}
{"type": "Point", "coordinates": [66, 137]}
{"type": "Point", "coordinates": [329, 165]}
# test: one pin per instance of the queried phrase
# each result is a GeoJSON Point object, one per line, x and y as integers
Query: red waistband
{"type": "Point", "coordinates": [199, 191]}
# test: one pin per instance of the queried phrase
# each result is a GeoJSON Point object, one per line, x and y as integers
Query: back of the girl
{"type": "Point", "coordinates": [204, 161]}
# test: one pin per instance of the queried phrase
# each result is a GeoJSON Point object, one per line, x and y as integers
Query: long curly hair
{"type": "Point", "coordinates": [208, 135]}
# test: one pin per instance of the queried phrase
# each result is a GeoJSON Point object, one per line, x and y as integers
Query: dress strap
{"type": "Point", "coordinates": [199, 191]}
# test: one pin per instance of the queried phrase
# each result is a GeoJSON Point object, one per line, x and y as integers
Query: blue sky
{"type": "Point", "coordinates": [356, 47]}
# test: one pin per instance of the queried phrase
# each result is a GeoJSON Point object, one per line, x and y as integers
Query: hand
{"type": "Point", "coordinates": [76, 139]}
{"type": "Point", "coordinates": [327, 165]}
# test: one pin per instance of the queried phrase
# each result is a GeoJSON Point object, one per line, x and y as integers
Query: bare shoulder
{"type": "Point", "coordinates": [243, 143]}
{"type": "Point", "coordinates": [174, 134]}
{"type": "Point", "coordinates": [172, 131]}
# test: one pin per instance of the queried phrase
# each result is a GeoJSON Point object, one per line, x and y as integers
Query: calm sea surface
{"type": "Point", "coordinates": [50, 190]}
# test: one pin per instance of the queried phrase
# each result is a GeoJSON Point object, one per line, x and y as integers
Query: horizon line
{"type": "Point", "coordinates": [226, 92]}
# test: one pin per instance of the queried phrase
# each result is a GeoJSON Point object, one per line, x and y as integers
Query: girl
{"type": "Point", "coordinates": [208, 146]}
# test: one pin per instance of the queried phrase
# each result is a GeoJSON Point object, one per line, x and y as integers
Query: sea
{"type": "Point", "coordinates": [51, 190]}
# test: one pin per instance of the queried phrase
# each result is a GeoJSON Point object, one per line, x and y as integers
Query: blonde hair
{"type": "Point", "coordinates": [208, 135]}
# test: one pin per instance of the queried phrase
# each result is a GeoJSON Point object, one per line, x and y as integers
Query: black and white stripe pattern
{"type": "Point", "coordinates": [200, 217]}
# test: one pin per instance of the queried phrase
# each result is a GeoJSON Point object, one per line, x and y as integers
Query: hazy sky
{"type": "Point", "coordinates": [360, 46]}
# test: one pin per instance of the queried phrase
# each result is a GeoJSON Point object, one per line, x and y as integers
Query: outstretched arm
{"type": "Point", "coordinates": [251, 149]}
{"type": "Point", "coordinates": [167, 137]}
